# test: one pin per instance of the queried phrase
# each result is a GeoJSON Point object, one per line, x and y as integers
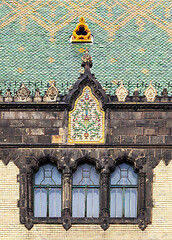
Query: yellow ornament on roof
{"type": "Point", "coordinates": [81, 33]}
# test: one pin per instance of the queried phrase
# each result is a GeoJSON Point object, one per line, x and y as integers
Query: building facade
{"type": "Point", "coordinates": [91, 157]}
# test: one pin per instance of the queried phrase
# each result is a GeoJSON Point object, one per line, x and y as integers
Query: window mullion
{"type": "Point", "coordinates": [85, 201]}
{"type": "Point", "coordinates": [123, 202]}
{"type": "Point", "coordinates": [47, 202]}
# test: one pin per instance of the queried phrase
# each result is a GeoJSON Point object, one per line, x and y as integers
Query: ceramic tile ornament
{"type": "Point", "coordinates": [86, 120]}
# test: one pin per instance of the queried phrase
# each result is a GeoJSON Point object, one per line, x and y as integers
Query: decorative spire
{"type": "Point", "coordinates": [86, 61]}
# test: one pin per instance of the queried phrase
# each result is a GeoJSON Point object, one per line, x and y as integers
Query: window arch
{"type": "Point", "coordinates": [123, 192]}
{"type": "Point", "coordinates": [85, 192]}
{"type": "Point", "coordinates": [47, 191]}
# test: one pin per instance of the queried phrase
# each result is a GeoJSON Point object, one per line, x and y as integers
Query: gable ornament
{"type": "Point", "coordinates": [23, 94]}
{"type": "Point", "coordinates": [51, 93]}
{"type": "Point", "coordinates": [121, 92]}
{"type": "Point", "coordinates": [150, 93]}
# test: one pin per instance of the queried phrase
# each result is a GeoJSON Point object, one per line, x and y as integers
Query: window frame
{"type": "Point", "coordinates": [47, 188]}
{"type": "Point", "coordinates": [124, 188]}
{"type": "Point", "coordinates": [66, 168]}
{"type": "Point", "coordinates": [86, 188]}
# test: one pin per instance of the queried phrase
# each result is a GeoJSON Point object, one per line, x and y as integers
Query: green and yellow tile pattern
{"type": "Point", "coordinates": [132, 42]}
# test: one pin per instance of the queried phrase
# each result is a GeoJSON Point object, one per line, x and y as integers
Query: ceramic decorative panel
{"type": "Point", "coordinates": [86, 120]}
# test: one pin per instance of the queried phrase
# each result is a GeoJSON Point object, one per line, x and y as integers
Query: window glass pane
{"type": "Point", "coordinates": [46, 176]}
{"type": "Point", "coordinates": [132, 176]}
{"type": "Point", "coordinates": [49, 171]}
{"type": "Point", "coordinates": [39, 176]}
{"type": "Point", "coordinates": [55, 202]}
{"type": "Point", "coordinates": [116, 202]}
{"type": "Point", "coordinates": [94, 176]}
{"type": "Point", "coordinates": [40, 202]}
{"type": "Point", "coordinates": [124, 175]}
{"type": "Point", "coordinates": [78, 202]}
{"type": "Point", "coordinates": [115, 176]}
{"type": "Point", "coordinates": [93, 203]}
{"type": "Point", "coordinates": [77, 176]}
{"type": "Point", "coordinates": [131, 202]}
{"type": "Point", "coordinates": [85, 175]}
{"type": "Point", "coordinates": [56, 176]}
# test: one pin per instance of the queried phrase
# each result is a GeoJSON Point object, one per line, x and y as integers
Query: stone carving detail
{"type": "Point", "coordinates": [8, 97]}
{"type": "Point", "coordinates": [121, 93]}
{"type": "Point", "coordinates": [37, 97]}
{"type": "Point", "coordinates": [86, 120]}
{"type": "Point", "coordinates": [23, 94]}
{"type": "Point", "coordinates": [51, 93]}
{"type": "Point", "coordinates": [150, 93]}
{"type": "Point", "coordinates": [1, 97]}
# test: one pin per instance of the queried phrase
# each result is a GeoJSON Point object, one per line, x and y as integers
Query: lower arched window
{"type": "Point", "coordinates": [123, 192]}
{"type": "Point", "coordinates": [85, 192]}
{"type": "Point", "coordinates": [47, 192]}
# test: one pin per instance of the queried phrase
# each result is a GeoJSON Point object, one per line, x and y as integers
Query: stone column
{"type": "Point", "coordinates": [104, 198]}
{"type": "Point", "coordinates": [66, 202]}
{"type": "Point", "coordinates": [142, 196]}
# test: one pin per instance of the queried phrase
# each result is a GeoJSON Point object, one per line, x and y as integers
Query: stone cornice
{"type": "Point", "coordinates": [63, 105]}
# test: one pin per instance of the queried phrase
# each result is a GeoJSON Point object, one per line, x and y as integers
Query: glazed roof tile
{"type": "Point", "coordinates": [131, 42]}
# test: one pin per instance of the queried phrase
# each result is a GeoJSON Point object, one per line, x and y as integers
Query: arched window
{"type": "Point", "coordinates": [123, 192]}
{"type": "Point", "coordinates": [85, 192]}
{"type": "Point", "coordinates": [47, 192]}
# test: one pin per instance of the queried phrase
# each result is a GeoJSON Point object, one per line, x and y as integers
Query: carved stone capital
{"type": "Point", "coordinates": [142, 224]}
{"type": "Point", "coordinates": [105, 223]}
{"type": "Point", "coordinates": [29, 223]}
{"type": "Point", "coordinates": [67, 223]}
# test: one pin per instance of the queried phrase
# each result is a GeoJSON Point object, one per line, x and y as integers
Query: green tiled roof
{"type": "Point", "coordinates": [132, 42]}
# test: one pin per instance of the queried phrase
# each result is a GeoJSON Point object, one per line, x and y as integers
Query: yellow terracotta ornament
{"type": "Point", "coordinates": [81, 33]}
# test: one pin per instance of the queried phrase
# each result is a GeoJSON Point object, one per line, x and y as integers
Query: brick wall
{"type": "Point", "coordinates": [161, 227]}
{"type": "Point", "coordinates": [140, 127]}
{"type": "Point", "coordinates": [122, 127]}
{"type": "Point", "coordinates": [29, 127]}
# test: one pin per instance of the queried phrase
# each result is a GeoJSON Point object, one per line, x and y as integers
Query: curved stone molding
{"type": "Point", "coordinates": [121, 93]}
{"type": "Point", "coordinates": [150, 93]}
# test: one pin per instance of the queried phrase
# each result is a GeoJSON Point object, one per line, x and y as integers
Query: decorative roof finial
{"type": "Point", "coordinates": [86, 60]}
{"type": "Point", "coordinates": [150, 93]}
{"type": "Point", "coordinates": [81, 33]}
